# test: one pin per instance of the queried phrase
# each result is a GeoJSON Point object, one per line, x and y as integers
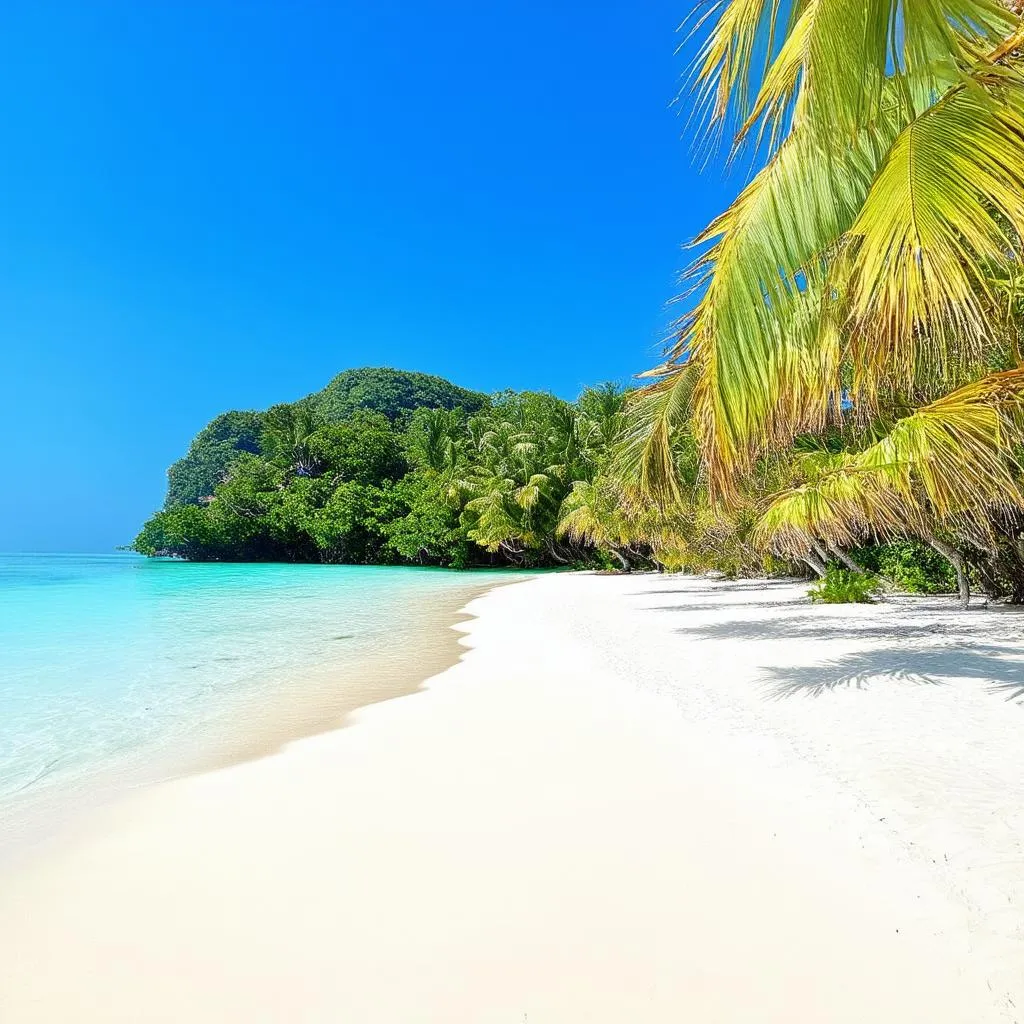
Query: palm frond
{"type": "Point", "coordinates": [948, 201]}
{"type": "Point", "coordinates": [765, 357]}
{"type": "Point", "coordinates": [643, 456]}
{"type": "Point", "coordinates": [951, 462]}
{"type": "Point", "coordinates": [830, 62]}
{"type": "Point", "coordinates": [960, 450]}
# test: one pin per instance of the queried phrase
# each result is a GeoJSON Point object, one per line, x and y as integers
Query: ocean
{"type": "Point", "coordinates": [111, 663]}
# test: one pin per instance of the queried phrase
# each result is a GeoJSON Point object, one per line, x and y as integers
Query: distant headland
{"type": "Point", "coordinates": [388, 466]}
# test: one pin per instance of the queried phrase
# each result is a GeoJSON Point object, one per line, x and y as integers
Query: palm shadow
{"type": "Point", "coordinates": [719, 606]}
{"type": "Point", "coordinates": [798, 627]}
{"type": "Point", "coordinates": [985, 664]}
{"type": "Point", "coordinates": [940, 646]}
{"type": "Point", "coordinates": [706, 588]}
{"type": "Point", "coordinates": [1011, 692]}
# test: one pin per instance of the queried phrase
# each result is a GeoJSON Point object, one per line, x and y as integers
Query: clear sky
{"type": "Point", "coordinates": [214, 205]}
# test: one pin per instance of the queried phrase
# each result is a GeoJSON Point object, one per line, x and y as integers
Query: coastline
{"type": "Point", "coordinates": [285, 708]}
{"type": "Point", "coordinates": [323, 698]}
{"type": "Point", "coordinates": [633, 798]}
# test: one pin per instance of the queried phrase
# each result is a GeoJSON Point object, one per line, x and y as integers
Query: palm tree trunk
{"type": "Point", "coordinates": [815, 563]}
{"type": "Point", "coordinates": [850, 563]}
{"type": "Point", "coordinates": [821, 553]}
{"type": "Point", "coordinates": [954, 558]}
{"type": "Point", "coordinates": [511, 552]}
{"type": "Point", "coordinates": [555, 551]}
{"type": "Point", "coordinates": [621, 559]}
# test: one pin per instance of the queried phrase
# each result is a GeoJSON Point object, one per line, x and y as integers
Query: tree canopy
{"type": "Point", "coordinates": [384, 480]}
{"type": "Point", "coordinates": [391, 392]}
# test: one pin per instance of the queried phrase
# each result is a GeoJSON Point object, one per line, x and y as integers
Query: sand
{"type": "Point", "coordinates": [635, 799]}
{"type": "Point", "coordinates": [256, 720]}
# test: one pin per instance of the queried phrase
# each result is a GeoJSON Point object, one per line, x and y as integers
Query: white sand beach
{"type": "Point", "coordinates": [636, 799]}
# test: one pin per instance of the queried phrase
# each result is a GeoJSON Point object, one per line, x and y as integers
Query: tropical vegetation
{"type": "Point", "coordinates": [850, 364]}
{"type": "Point", "coordinates": [386, 466]}
{"type": "Point", "coordinates": [844, 395]}
{"type": "Point", "coordinates": [845, 586]}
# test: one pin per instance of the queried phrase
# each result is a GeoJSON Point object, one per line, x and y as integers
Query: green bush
{"type": "Point", "coordinates": [841, 586]}
{"type": "Point", "coordinates": [913, 567]}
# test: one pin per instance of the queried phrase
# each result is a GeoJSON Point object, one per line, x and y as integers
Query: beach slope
{"type": "Point", "coordinates": [636, 799]}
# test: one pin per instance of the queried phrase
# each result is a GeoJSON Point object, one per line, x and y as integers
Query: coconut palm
{"type": "Point", "coordinates": [435, 438]}
{"type": "Point", "coordinates": [946, 473]}
{"type": "Point", "coordinates": [863, 263]}
{"type": "Point", "coordinates": [869, 277]}
{"type": "Point", "coordinates": [287, 430]}
{"type": "Point", "coordinates": [597, 513]}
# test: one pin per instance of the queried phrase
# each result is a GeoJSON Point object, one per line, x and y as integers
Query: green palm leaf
{"type": "Point", "coordinates": [948, 202]}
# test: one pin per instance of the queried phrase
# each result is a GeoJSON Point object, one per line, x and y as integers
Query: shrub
{"type": "Point", "coordinates": [841, 586]}
{"type": "Point", "coordinates": [913, 567]}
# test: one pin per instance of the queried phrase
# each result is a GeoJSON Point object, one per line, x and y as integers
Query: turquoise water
{"type": "Point", "coordinates": [105, 658]}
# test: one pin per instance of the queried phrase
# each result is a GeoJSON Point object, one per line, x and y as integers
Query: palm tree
{"type": "Point", "coordinates": [523, 458]}
{"type": "Point", "coordinates": [895, 181]}
{"type": "Point", "coordinates": [596, 513]}
{"type": "Point", "coordinates": [435, 437]}
{"type": "Point", "coordinates": [286, 433]}
{"type": "Point", "coordinates": [870, 271]}
{"type": "Point", "coordinates": [946, 473]}
{"type": "Point", "coordinates": [520, 463]}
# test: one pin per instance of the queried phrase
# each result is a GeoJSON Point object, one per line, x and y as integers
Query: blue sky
{"type": "Point", "coordinates": [214, 205]}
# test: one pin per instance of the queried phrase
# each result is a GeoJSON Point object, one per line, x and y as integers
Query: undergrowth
{"type": "Point", "coordinates": [843, 586]}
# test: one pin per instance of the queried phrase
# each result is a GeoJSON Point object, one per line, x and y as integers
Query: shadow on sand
{"type": "Point", "coordinates": [707, 587]}
{"type": "Point", "coordinates": [941, 645]}
{"type": "Point", "coordinates": [986, 665]}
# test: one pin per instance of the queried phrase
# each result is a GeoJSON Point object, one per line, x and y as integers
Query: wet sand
{"type": "Point", "coordinates": [266, 716]}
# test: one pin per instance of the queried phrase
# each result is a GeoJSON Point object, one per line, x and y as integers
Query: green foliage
{"type": "Point", "coordinates": [349, 527]}
{"type": "Point", "coordinates": [522, 458]}
{"type": "Point", "coordinates": [365, 448]}
{"type": "Point", "coordinates": [184, 530]}
{"type": "Point", "coordinates": [469, 481]}
{"type": "Point", "coordinates": [391, 392]}
{"type": "Point", "coordinates": [282, 431]}
{"type": "Point", "coordinates": [430, 529]}
{"type": "Point", "coordinates": [910, 566]}
{"type": "Point", "coordinates": [210, 455]}
{"type": "Point", "coordinates": [436, 438]}
{"type": "Point", "coordinates": [286, 433]}
{"type": "Point", "coordinates": [843, 586]}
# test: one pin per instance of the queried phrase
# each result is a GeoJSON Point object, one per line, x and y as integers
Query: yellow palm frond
{"type": "Point", "coordinates": [764, 352]}
{"type": "Point", "coordinates": [951, 462]}
{"type": "Point", "coordinates": [846, 506]}
{"type": "Point", "coordinates": [961, 450]}
{"type": "Point", "coordinates": [948, 202]}
{"type": "Point", "coordinates": [830, 62]}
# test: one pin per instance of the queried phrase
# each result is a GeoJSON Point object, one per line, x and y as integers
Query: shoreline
{"type": "Point", "coordinates": [300, 710]}
{"type": "Point", "coordinates": [633, 798]}
{"type": "Point", "coordinates": [314, 699]}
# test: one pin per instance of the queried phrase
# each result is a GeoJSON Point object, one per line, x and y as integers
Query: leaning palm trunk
{"type": "Point", "coordinates": [820, 552]}
{"type": "Point", "coordinates": [851, 563]}
{"type": "Point", "coordinates": [621, 559]}
{"type": "Point", "coordinates": [959, 567]}
{"type": "Point", "coordinates": [816, 564]}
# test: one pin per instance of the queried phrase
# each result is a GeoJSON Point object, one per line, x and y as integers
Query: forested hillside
{"type": "Point", "coordinates": [843, 394]}
{"type": "Point", "coordinates": [391, 392]}
{"type": "Point", "coordinates": [387, 466]}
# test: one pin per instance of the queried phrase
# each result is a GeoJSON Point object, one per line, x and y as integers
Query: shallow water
{"type": "Point", "coordinates": [106, 659]}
